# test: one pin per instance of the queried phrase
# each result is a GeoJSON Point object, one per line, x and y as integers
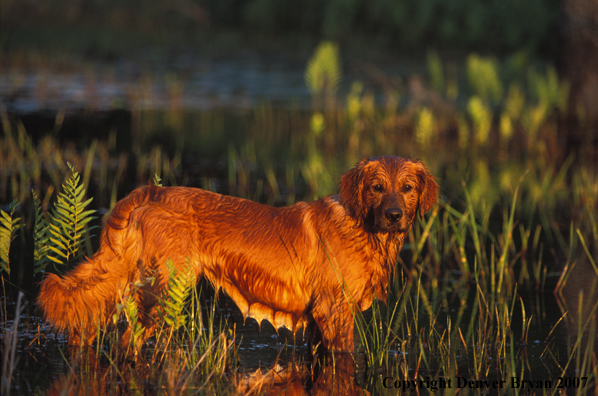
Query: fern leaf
{"type": "Point", "coordinates": [323, 71]}
{"type": "Point", "coordinates": [179, 288]}
{"type": "Point", "coordinates": [59, 241]}
{"type": "Point", "coordinates": [56, 260]}
{"type": "Point", "coordinates": [157, 181]}
{"type": "Point", "coordinates": [84, 204]}
{"type": "Point", "coordinates": [82, 223]}
{"type": "Point", "coordinates": [80, 192]}
{"type": "Point", "coordinates": [129, 307]}
{"type": "Point", "coordinates": [483, 77]}
{"type": "Point", "coordinates": [68, 226]}
{"type": "Point", "coordinates": [6, 216]}
{"type": "Point", "coordinates": [40, 238]}
{"type": "Point", "coordinates": [8, 230]}
{"type": "Point", "coordinates": [435, 71]}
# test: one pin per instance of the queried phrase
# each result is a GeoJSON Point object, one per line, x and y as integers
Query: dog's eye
{"type": "Point", "coordinates": [378, 187]}
{"type": "Point", "coordinates": [407, 187]}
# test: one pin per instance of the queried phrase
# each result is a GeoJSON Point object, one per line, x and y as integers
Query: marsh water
{"type": "Point", "coordinates": [211, 101]}
{"type": "Point", "coordinates": [43, 361]}
{"type": "Point", "coordinates": [200, 85]}
{"type": "Point", "coordinates": [238, 83]}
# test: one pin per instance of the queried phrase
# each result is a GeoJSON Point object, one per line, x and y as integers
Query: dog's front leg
{"type": "Point", "coordinates": [336, 324]}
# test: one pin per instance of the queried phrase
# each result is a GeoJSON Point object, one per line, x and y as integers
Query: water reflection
{"type": "Point", "coordinates": [578, 302]}
{"type": "Point", "coordinates": [195, 84]}
{"type": "Point", "coordinates": [323, 377]}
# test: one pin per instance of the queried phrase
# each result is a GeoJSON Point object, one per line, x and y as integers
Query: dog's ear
{"type": "Point", "coordinates": [351, 190]}
{"type": "Point", "coordinates": [429, 189]}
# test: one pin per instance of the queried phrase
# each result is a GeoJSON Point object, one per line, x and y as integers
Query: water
{"type": "Point", "coordinates": [235, 84]}
{"type": "Point", "coordinates": [197, 84]}
{"type": "Point", "coordinates": [189, 82]}
{"type": "Point", "coordinates": [41, 364]}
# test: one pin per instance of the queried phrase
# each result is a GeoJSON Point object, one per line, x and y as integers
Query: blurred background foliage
{"type": "Point", "coordinates": [106, 27]}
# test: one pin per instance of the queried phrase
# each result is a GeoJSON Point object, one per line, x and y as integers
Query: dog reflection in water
{"type": "Point", "coordinates": [336, 378]}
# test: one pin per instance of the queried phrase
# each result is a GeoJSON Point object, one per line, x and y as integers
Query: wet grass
{"type": "Point", "coordinates": [515, 223]}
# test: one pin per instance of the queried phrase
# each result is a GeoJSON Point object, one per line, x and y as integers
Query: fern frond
{"type": "Point", "coordinates": [484, 78]}
{"type": "Point", "coordinates": [180, 284]}
{"type": "Point", "coordinates": [129, 308]}
{"type": "Point", "coordinates": [68, 230]}
{"type": "Point", "coordinates": [8, 230]}
{"type": "Point", "coordinates": [324, 69]}
{"type": "Point", "coordinates": [481, 114]}
{"type": "Point", "coordinates": [131, 313]}
{"type": "Point", "coordinates": [424, 129]}
{"type": "Point", "coordinates": [157, 180]}
{"type": "Point", "coordinates": [435, 70]}
{"type": "Point", "coordinates": [41, 239]}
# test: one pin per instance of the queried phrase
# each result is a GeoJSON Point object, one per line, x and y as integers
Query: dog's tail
{"type": "Point", "coordinates": [81, 301]}
{"type": "Point", "coordinates": [85, 298]}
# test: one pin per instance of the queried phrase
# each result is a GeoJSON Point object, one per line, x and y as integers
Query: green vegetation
{"type": "Point", "coordinates": [516, 220]}
{"type": "Point", "coordinates": [111, 28]}
{"type": "Point", "coordinates": [8, 230]}
{"type": "Point", "coordinates": [68, 220]}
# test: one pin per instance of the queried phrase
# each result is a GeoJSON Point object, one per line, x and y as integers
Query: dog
{"type": "Point", "coordinates": [309, 265]}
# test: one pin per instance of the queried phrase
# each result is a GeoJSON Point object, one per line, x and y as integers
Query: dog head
{"type": "Point", "coordinates": [385, 193]}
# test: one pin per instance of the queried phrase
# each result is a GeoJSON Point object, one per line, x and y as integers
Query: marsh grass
{"type": "Point", "coordinates": [198, 355]}
{"type": "Point", "coordinates": [516, 219]}
{"type": "Point", "coordinates": [413, 337]}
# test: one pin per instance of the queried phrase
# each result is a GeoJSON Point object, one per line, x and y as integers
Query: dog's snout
{"type": "Point", "coordinates": [393, 214]}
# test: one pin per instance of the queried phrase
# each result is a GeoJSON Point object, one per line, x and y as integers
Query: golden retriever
{"type": "Point", "coordinates": [309, 265]}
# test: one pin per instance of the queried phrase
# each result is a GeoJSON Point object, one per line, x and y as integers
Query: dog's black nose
{"type": "Point", "coordinates": [393, 214]}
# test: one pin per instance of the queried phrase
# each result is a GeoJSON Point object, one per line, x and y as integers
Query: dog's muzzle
{"type": "Point", "coordinates": [393, 214]}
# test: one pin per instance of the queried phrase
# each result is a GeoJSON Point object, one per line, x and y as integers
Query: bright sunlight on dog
{"type": "Point", "coordinates": [309, 265]}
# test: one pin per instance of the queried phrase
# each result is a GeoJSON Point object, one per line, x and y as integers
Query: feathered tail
{"type": "Point", "coordinates": [85, 298]}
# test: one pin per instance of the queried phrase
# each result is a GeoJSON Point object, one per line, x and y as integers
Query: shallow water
{"type": "Point", "coordinates": [41, 354]}
{"type": "Point", "coordinates": [197, 85]}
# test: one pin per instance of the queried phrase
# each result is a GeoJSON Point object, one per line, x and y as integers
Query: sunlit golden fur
{"type": "Point", "coordinates": [306, 264]}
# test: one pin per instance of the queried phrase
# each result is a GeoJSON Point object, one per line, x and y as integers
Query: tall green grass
{"type": "Point", "coordinates": [516, 218]}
